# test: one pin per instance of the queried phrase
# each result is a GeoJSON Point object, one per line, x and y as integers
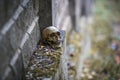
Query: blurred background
{"type": "Point", "coordinates": [92, 39]}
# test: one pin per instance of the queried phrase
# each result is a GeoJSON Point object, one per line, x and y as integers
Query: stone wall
{"type": "Point", "coordinates": [61, 19]}
{"type": "Point", "coordinates": [60, 13]}
{"type": "Point", "coordinates": [20, 24]}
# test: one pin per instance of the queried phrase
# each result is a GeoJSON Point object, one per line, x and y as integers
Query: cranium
{"type": "Point", "coordinates": [51, 35]}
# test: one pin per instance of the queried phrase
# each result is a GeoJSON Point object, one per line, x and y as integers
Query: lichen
{"type": "Point", "coordinates": [43, 63]}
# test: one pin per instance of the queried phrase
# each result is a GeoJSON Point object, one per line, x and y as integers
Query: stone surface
{"type": "Point", "coordinates": [45, 14]}
{"type": "Point", "coordinates": [35, 36]}
{"type": "Point", "coordinates": [27, 51]}
{"type": "Point", "coordinates": [18, 74]}
{"type": "Point", "coordinates": [7, 8]}
{"type": "Point", "coordinates": [12, 39]}
{"type": "Point", "coordinates": [20, 68]}
{"type": "Point", "coordinates": [6, 53]}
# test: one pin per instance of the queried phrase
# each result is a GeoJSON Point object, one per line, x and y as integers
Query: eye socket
{"type": "Point", "coordinates": [51, 35]}
{"type": "Point", "coordinates": [58, 33]}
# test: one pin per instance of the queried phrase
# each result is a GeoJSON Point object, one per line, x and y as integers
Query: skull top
{"type": "Point", "coordinates": [51, 35]}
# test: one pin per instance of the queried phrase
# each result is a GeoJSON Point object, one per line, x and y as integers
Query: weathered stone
{"type": "Point", "coordinates": [45, 14]}
{"type": "Point", "coordinates": [6, 53]}
{"type": "Point", "coordinates": [26, 17]}
{"type": "Point", "coordinates": [35, 36]}
{"type": "Point", "coordinates": [10, 76]}
{"type": "Point", "coordinates": [11, 40]}
{"type": "Point", "coordinates": [36, 6]}
{"type": "Point", "coordinates": [20, 68]}
{"type": "Point", "coordinates": [7, 10]}
{"type": "Point", "coordinates": [27, 52]}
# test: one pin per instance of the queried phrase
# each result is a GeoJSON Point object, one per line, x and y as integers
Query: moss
{"type": "Point", "coordinates": [44, 63]}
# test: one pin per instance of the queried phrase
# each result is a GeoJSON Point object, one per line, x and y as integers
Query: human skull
{"type": "Point", "coordinates": [51, 35]}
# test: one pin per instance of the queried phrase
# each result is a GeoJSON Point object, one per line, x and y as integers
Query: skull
{"type": "Point", "coordinates": [51, 35]}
